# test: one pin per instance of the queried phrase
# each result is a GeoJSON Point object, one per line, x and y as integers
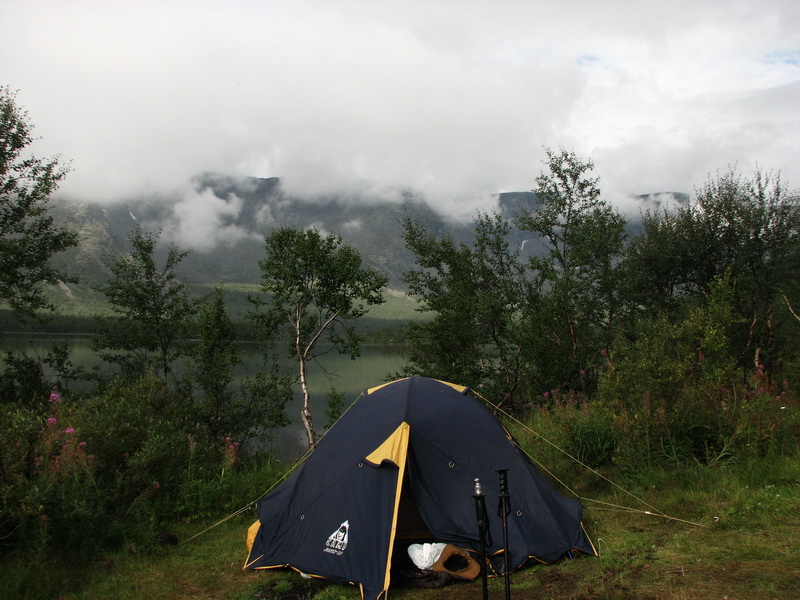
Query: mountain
{"type": "Point", "coordinates": [239, 213]}
{"type": "Point", "coordinates": [223, 220]}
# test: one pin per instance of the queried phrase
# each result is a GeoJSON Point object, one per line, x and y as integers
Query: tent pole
{"type": "Point", "coordinates": [483, 532]}
{"type": "Point", "coordinates": [503, 511]}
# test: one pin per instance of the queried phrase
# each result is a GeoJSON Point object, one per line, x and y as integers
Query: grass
{"type": "Point", "coordinates": [748, 548]}
{"type": "Point", "coordinates": [77, 313]}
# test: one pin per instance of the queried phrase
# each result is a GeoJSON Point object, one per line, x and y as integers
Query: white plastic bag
{"type": "Point", "coordinates": [424, 555]}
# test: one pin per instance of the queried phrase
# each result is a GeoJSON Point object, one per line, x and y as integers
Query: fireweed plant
{"type": "Point", "coordinates": [93, 475]}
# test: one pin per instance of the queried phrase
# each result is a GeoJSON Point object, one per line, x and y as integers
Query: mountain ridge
{"type": "Point", "coordinates": [223, 220]}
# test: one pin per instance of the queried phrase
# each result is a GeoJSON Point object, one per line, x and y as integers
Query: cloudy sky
{"type": "Point", "coordinates": [454, 99]}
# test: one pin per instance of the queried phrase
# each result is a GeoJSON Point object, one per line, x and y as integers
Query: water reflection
{"type": "Point", "coordinates": [351, 377]}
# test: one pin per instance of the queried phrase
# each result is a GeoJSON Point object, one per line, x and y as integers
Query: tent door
{"type": "Point", "coordinates": [410, 526]}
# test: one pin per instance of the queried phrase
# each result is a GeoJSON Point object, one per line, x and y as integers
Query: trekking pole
{"type": "Point", "coordinates": [483, 531]}
{"type": "Point", "coordinates": [503, 511]}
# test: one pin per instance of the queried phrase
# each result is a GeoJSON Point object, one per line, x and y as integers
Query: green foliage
{"type": "Point", "coordinates": [569, 428]}
{"type": "Point", "coordinates": [686, 377]}
{"type": "Point", "coordinates": [108, 471]}
{"type": "Point", "coordinates": [335, 407]}
{"type": "Point", "coordinates": [59, 360]}
{"type": "Point", "coordinates": [232, 484]}
{"type": "Point", "coordinates": [744, 227]}
{"type": "Point", "coordinates": [22, 380]}
{"type": "Point", "coordinates": [50, 496]}
{"type": "Point", "coordinates": [578, 275]}
{"type": "Point", "coordinates": [590, 434]}
{"type": "Point", "coordinates": [317, 284]}
{"type": "Point", "coordinates": [270, 391]}
{"type": "Point", "coordinates": [152, 309]}
{"type": "Point", "coordinates": [29, 238]}
{"type": "Point", "coordinates": [496, 322]}
{"type": "Point", "coordinates": [479, 301]}
{"type": "Point", "coordinates": [220, 409]}
{"type": "Point", "coordinates": [139, 442]}
{"type": "Point", "coordinates": [677, 393]}
{"type": "Point", "coordinates": [215, 354]}
{"type": "Point", "coordinates": [315, 287]}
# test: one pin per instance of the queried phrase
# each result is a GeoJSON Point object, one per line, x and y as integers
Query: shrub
{"type": "Point", "coordinates": [50, 494]}
{"type": "Point", "coordinates": [676, 393]}
{"type": "Point", "coordinates": [22, 381]}
{"type": "Point", "coordinates": [109, 470]}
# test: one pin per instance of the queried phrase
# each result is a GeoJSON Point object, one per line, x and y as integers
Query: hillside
{"type": "Point", "coordinates": [223, 220]}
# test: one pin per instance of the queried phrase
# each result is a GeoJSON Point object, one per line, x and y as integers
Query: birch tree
{"type": "Point", "coordinates": [314, 289]}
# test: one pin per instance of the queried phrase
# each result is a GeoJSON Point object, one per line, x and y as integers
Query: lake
{"type": "Point", "coordinates": [352, 377]}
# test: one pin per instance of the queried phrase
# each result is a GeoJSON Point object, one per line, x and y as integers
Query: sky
{"type": "Point", "coordinates": [455, 100]}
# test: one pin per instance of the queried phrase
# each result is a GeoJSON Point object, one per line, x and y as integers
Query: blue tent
{"type": "Point", "coordinates": [398, 467]}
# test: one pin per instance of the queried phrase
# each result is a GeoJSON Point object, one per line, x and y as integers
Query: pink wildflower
{"type": "Point", "coordinates": [82, 444]}
{"type": "Point", "coordinates": [231, 451]}
{"type": "Point", "coordinates": [69, 430]}
{"type": "Point", "coordinates": [52, 421]}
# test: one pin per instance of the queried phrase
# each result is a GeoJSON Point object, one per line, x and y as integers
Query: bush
{"type": "Point", "coordinates": [50, 494]}
{"type": "Point", "coordinates": [89, 475]}
{"type": "Point", "coordinates": [676, 394]}
{"type": "Point", "coordinates": [22, 381]}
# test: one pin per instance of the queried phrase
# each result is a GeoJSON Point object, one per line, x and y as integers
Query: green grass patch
{"type": "Point", "coordinates": [77, 310]}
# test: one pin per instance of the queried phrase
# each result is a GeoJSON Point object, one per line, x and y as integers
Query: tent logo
{"type": "Point", "coordinates": [337, 541]}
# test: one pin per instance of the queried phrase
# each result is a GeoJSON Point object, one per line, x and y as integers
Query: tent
{"type": "Point", "coordinates": [399, 467]}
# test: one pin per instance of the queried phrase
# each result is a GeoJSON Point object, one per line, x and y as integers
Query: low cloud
{"type": "Point", "coordinates": [203, 221]}
{"type": "Point", "coordinates": [353, 225]}
{"type": "Point", "coordinates": [453, 100]}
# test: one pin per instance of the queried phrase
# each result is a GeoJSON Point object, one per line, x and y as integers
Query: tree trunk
{"type": "Point", "coordinates": [305, 413]}
{"type": "Point", "coordinates": [572, 335]}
